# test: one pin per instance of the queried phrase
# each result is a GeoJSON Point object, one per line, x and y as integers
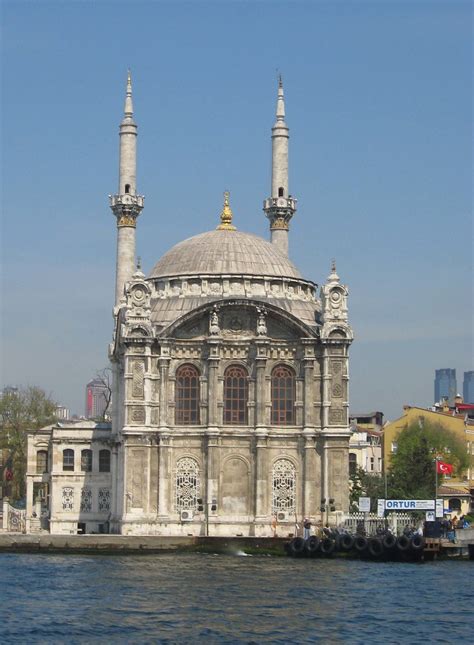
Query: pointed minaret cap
{"type": "Point", "coordinates": [333, 277]}
{"type": "Point", "coordinates": [280, 109]}
{"type": "Point", "coordinates": [139, 275]}
{"type": "Point", "coordinates": [226, 215]}
{"type": "Point", "coordinates": [128, 109]}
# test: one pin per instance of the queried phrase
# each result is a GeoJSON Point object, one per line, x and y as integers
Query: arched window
{"type": "Point", "coordinates": [41, 462]}
{"type": "Point", "coordinates": [86, 461]}
{"type": "Point", "coordinates": [283, 396]}
{"type": "Point", "coordinates": [187, 396]}
{"type": "Point", "coordinates": [454, 504]}
{"type": "Point", "coordinates": [352, 463]}
{"type": "Point", "coordinates": [187, 484]}
{"type": "Point", "coordinates": [68, 459]}
{"type": "Point", "coordinates": [284, 487]}
{"type": "Point", "coordinates": [104, 461]}
{"type": "Point", "coordinates": [235, 396]}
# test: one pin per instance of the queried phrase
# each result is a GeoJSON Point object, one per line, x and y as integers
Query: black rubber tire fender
{"type": "Point", "coordinates": [375, 547]}
{"type": "Point", "coordinates": [361, 543]}
{"type": "Point", "coordinates": [403, 543]}
{"type": "Point", "coordinates": [347, 542]}
{"type": "Point", "coordinates": [417, 543]}
{"type": "Point", "coordinates": [312, 545]}
{"type": "Point", "coordinates": [389, 541]}
{"type": "Point", "coordinates": [327, 546]}
{"type": "Point", "coordinates": [297, 546]}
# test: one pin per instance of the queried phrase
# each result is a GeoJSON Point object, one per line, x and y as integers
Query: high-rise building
{"type": "Point", "coordinates": [468, 387]}
{"type": "Point", "coordinates": [445, 385]}
{"type": "Point", "coordinates": [97, 398]}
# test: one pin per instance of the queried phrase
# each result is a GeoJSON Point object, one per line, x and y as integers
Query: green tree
{"type": "Point", "coordinates": [412, 471]}
{"type": "Point", "coordinates": [364, 484]}
{"type": "Point", "coordinates": [21, 411]}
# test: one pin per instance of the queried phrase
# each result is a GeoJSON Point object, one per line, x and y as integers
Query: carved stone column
{"type": "Point", "coordinates": [262, 508]}
{"type": "Point", "coordinates": [308, 367]}
{"type": "Point", "coordinates": [326, 388]}
{"type": "Point", "coordinates": [164, 475]}
{"type": "Point", "coordinates": [212, 488]}
{"type": "Point", "coordinates": [213, 367]}
{"type": "Point", "coordinates": [260, 386]}
{"type": "Point", "coordinates": [163, 363]}
{"type": "Point", "coordinates": [312, 480]}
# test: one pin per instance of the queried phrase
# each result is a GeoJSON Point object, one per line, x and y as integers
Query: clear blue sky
{"type": "Point", "coordinates": [379, 104]}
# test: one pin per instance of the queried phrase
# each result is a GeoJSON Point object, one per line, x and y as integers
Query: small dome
{"type": "Point", "coordinates": [224, 252]}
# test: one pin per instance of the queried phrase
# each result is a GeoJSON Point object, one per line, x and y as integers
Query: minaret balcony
{"type": "Point", "coordinates": [280, 204]}
{"type": "Point", "coordinates": [134, 202]}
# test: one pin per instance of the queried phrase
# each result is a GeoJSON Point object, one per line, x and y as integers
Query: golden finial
{"type": "Point", "coordinates": [226, 215]}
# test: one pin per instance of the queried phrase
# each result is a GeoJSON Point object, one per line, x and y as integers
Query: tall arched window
{"type": "Point", "coordinates": [283, 396]}
{"type": "Point", "coordinates": [284, 487]}
{"type": "Point", "coordinates": [187, 484]}
{"type": "Point", "coordinates": [352, 463]}
{"type": "Point", "coordinates": [235, 395]}
{"type": "Point", "coordinates": [86, 461]}
{"type": "Point", "coordinates": [68, 459]}
{"type": "Point", "coordinates": [187, 396]}
{"type": "Point", "coordinates": [104, 461]}
{"type": "Point", "coordinates": [41, 462]}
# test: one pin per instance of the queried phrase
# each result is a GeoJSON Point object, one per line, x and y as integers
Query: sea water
{"type": "Point", "coordinates": [171, 598]}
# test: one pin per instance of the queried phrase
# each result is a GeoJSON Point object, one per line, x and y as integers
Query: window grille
{"type": "Point", "coordinates": [283, 396]}
{"type": "Point", "coordinates": [187, 396]}
{"type": "Point", "coordinates": [104, 500]}
{"type": "Point", "coordinates": [41, 462]}
{"type": "Point", "coordinates": [235, 396]}
{"type": "Point", "coordinates": [68, 498]}
{"type": "Point", "coordinates": [104, 461]}
{"type": "Point", "coordinates": [68, 459]}
{"type": "Point", "coordinates": [86, 461]}
{"type": "Point", "coordinates": [188, 484]}
{"type": "Point", "coordinates": [86, 500]}
{"type": "Point", "coordinates": [284, 487]}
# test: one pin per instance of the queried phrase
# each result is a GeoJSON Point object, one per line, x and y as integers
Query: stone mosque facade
{"type": "Point", "coordinates": [230, 385]}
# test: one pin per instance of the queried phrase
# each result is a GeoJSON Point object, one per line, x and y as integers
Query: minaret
{"type": "Point", "coordinates": [126, 205]}
{"type": "Point", "coordinates": [280, 207]}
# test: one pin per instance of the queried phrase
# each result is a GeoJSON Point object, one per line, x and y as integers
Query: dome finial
{"type": "Point", "coordinates": [226, 215]}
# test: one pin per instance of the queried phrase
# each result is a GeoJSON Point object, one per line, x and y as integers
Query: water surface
{"type": "Point", "coordinates": [231, 599]}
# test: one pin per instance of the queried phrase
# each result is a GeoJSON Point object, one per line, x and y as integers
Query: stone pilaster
{"type": "Point", "coordinates": [262, 505]}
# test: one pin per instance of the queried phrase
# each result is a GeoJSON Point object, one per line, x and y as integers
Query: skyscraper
{"type": "Point", "coordinates": [468, 387]}
{"type": "Point", "coordinates": [97, 398]}
{"type": "Point", "coordinates": [445, 384]}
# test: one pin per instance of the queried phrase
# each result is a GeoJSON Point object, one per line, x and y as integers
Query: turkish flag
{"type": "Point", "coordinates": [443, 468]}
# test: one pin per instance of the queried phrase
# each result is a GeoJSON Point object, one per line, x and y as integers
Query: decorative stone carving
{"type": "Point", "coordinates": [137, 415]}
{"type": "Point", "coordinates": [261, 322]}
{"type": "Point", "coordinates": [138, 378]}
{"type": "Point", "coordinates": [214, 328]}
{"type": "Point", "coordinates": [336, 416]}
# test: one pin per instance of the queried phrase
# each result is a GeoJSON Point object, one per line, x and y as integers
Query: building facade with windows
{"type": "Point", "coordinates": [468, 387]}
{"type": "Point", "coordinates": [230, 381]}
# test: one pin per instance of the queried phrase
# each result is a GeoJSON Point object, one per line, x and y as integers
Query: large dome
{"type": "Point", "coordinates": [224, 252]}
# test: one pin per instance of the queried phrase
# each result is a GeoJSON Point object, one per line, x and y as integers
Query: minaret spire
{"type": "Point", "coordinates": [280, 207]}
{"type": "Point", "coordinates": [126, 204]}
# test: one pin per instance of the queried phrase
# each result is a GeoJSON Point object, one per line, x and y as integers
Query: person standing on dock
{"type": "Point", "coordinates": [307, 528]}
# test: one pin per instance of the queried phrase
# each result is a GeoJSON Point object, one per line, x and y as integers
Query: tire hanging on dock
{"type": "Point", "coordinates": [417, 543]}
{"type": "Point", "coordinates": [361, 543]}
{"type": "Point", "coordinates": [403, 543]}
{"type": "Point", "coordinates": [389, 541]}
{"type": "Point", "coordinates": [375, 548]}
{"type": "Point", "coordinates": [346, 542]}
{"type": "Point", "coordinates": [327, 546]}
{"type": "Point", "coordinates": [312, 545]}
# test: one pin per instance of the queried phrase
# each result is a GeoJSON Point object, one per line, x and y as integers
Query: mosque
{"type": "Point", "coordinates": [230, 385]}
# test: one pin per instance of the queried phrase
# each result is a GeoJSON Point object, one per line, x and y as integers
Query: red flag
{"type": "Point", "coordinates": [442, 468]}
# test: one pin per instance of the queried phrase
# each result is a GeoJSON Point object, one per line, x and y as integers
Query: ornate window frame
{"type": "Point", "coordinates": [187, 484]}
{"type": "Point", "coordinates": [187, 393]}
{"type": "Point", "coordinates": [284, 486]}
{"type": "Point", "coordinates": [235, 395]}
{"type": "Point", "coordinates": [283, 395]}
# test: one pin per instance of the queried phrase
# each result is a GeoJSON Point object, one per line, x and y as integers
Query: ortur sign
{"type": "Point", "coordinates": [409, 504]}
